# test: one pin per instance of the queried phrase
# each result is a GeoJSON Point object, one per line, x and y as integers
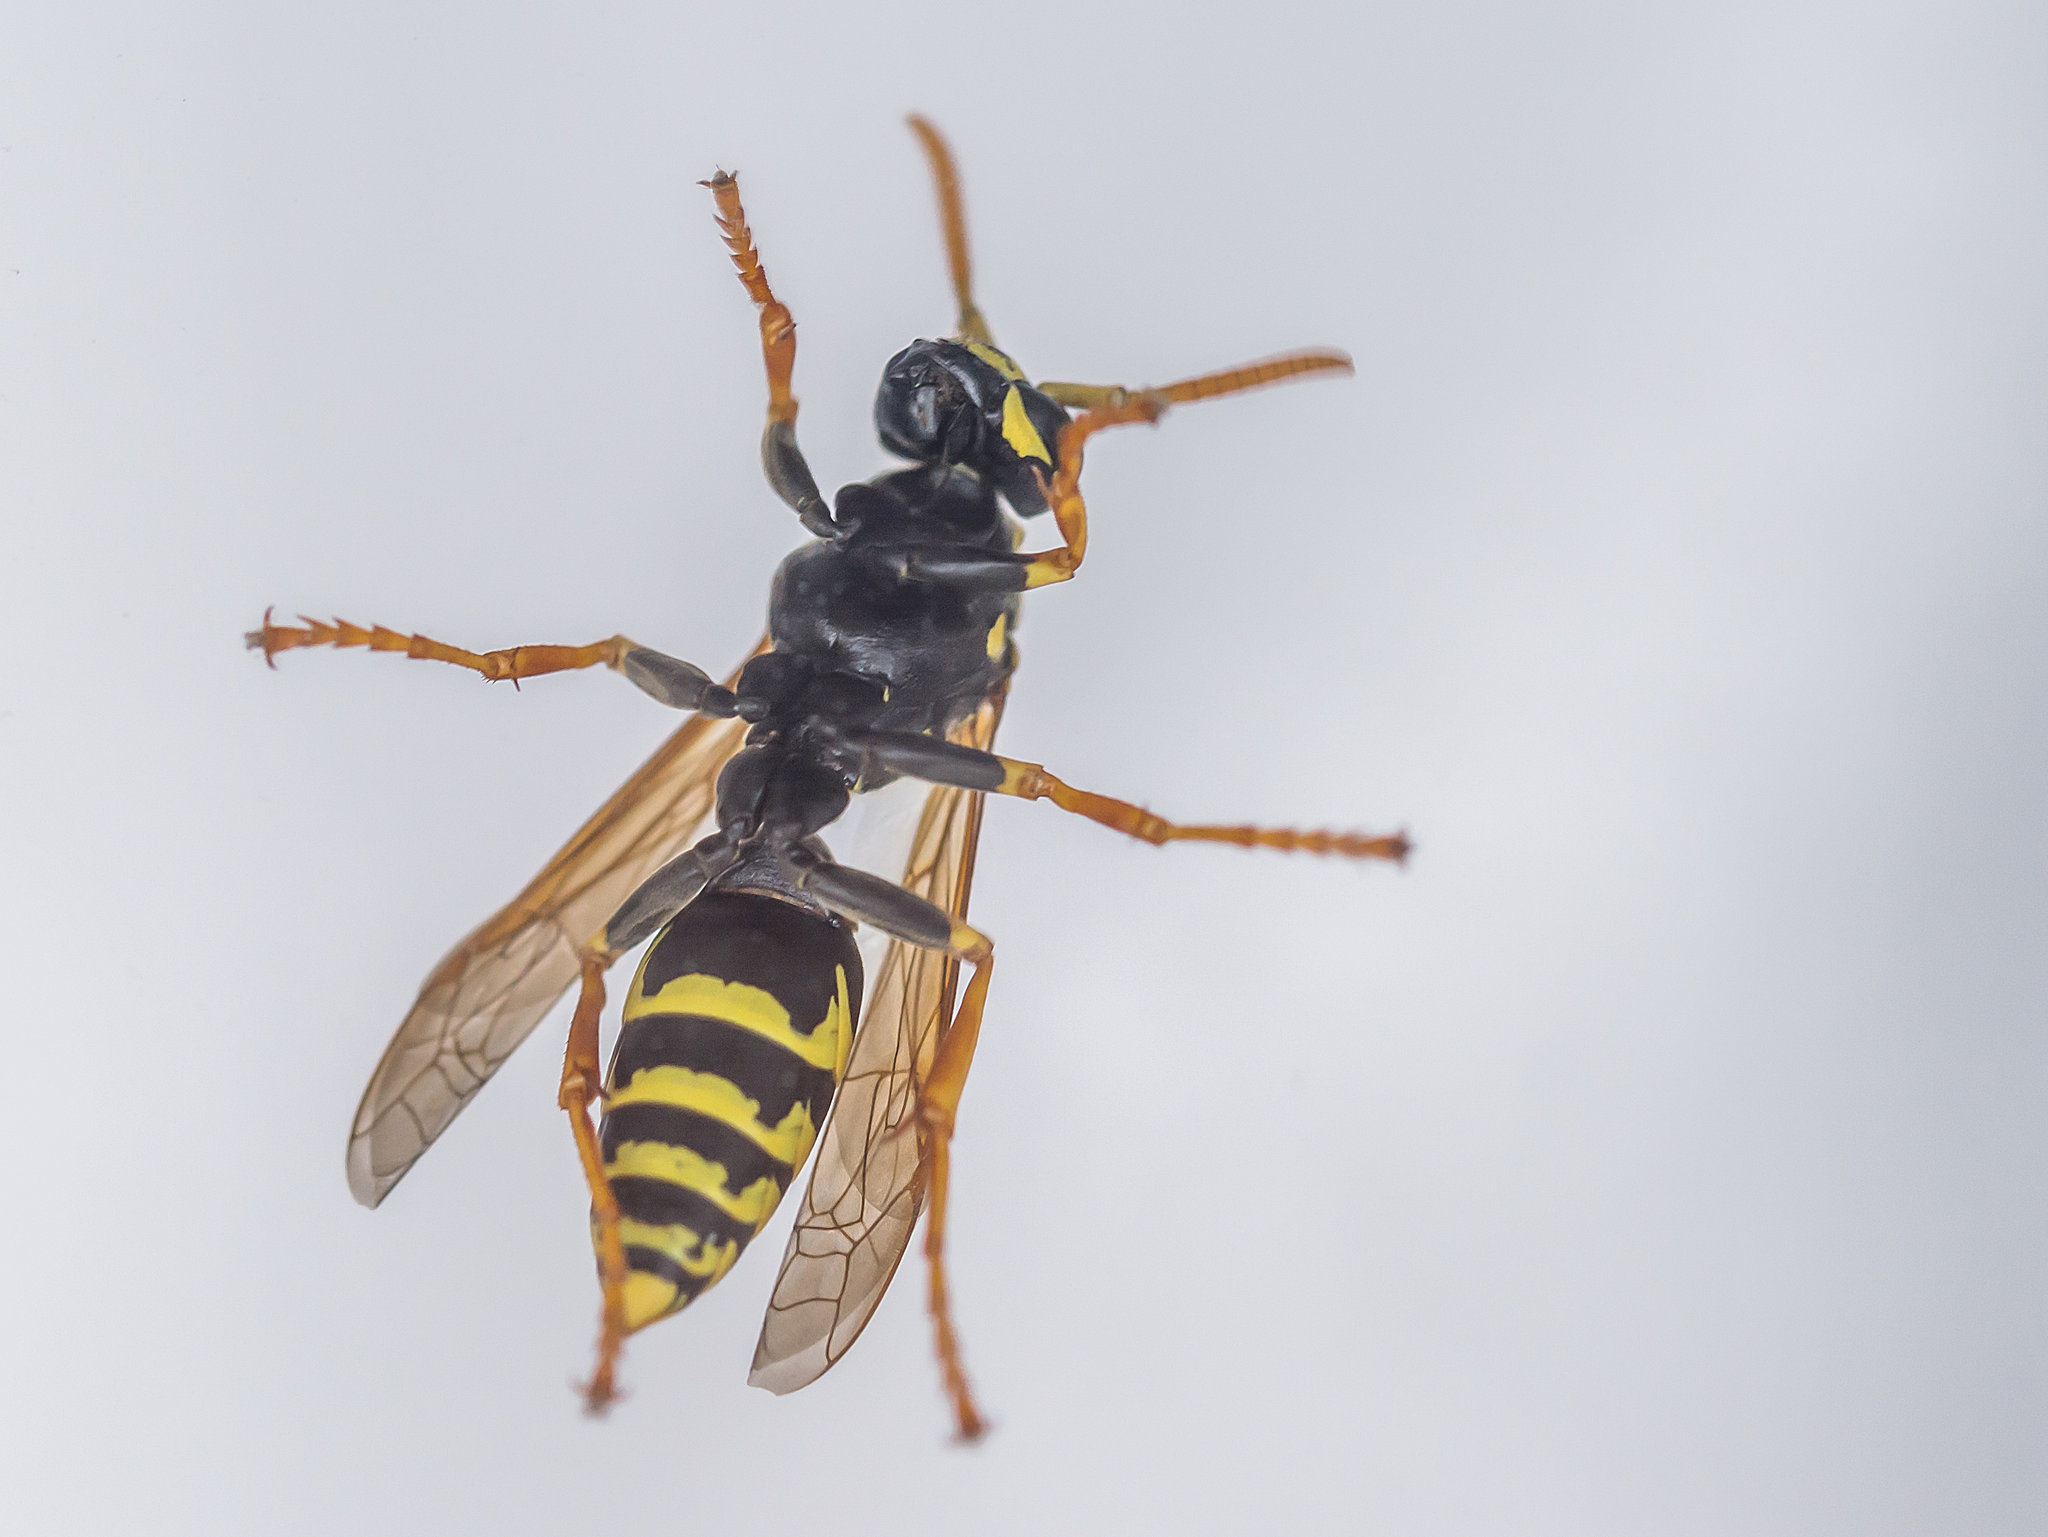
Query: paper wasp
{"type": "Point", "coordinates": [888, 656]}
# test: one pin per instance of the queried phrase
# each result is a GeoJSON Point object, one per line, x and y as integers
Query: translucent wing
{"type": "Point", "coordinates": [867, 1186]}
{"type": "Point", "coordinates": [492, 989]}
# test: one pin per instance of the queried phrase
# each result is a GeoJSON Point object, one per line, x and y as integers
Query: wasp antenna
{"type": "Point", "coordinates": [953, 225]}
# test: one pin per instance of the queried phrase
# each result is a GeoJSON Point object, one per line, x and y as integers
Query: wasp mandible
{"type": "Point", "coordinates": [889, 652]}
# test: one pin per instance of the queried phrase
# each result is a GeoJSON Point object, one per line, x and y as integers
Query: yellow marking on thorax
{"type": "Point", "coordinates": [1018, 431]}
{"type": "Point", "coordinates": [722, 1099]}
{"type": "Point", "coordinates": [677, 1165]}
{"type": "Point", "coordinates": [998, 637]}
{"type": "Point", "coordinates": [751, 1008]}
{"type": "Point", "coordinates": [841, 1024]}
{"type": "Point", "coordinates": [1000, 361]}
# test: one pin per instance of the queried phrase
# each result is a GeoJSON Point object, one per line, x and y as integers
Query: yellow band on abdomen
{"type": "Point", "coordinates": [690, 1169]}
{"type": "Point", "coordinates": [753, 1009]}
{"type": "Point", "coordinates": [711, 1095]}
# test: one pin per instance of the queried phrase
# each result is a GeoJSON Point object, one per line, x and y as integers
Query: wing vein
{"type": "Point", "coordinates": [867, 1184]}
{"type": "Point", "coordinates": [490, 991]}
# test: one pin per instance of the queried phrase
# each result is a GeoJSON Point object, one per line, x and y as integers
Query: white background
{"type": "Point", "coordinates": [1663, 1153]}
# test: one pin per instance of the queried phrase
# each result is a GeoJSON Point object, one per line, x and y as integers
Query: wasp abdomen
{"type": "Point", "coordinates": [735, 1038]}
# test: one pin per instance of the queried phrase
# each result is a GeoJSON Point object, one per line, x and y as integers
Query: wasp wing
{"type": "Point", "coordinates": [492, 989]}
{"type": "Point", "coordinates": [867, 1185]}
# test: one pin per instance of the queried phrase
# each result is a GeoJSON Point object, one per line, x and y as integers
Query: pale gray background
{"type": "Point", "coordinates": [1664, 1153]}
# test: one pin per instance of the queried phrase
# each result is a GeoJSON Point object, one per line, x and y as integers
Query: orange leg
{"type": "Point", "coordinates": [1029, 781]}
{"type": "Point", "coordinates": [582, 1085]}
{"type": "Point", "coordinates": [937, 1106]}
{"type": "Point", "coordinates": [868, 898]}
{"type": "Point", "coordinates": [1228, 381]}
{"type": "Point", "coordinates": [515, 663]}
{"type": "Point", "coordinates": [946, 182]}
{"type": "Point", "coordinates": [1112, 406]}
{"type": "Point", "coordinates": [788, 472]}
{"type": "Point", "coordinates": [778, 329]}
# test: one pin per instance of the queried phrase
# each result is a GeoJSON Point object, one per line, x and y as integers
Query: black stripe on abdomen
{"type": "Point", "coordinates": [725, 1068]}
{"type": "Point", "coordinates": [772, 1076]}
{"type": "Point", "coordinates": [744, 1159]}
{"type": "Point", "coordinates": [740, 936]}
{"type": "Point", "coordinates": [664, 1203]}
{"type": "Point", "coordinates": [653, 1262]}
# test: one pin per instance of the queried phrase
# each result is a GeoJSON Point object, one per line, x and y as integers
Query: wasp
{"type": "Point", "coordinates": [791, 1003]}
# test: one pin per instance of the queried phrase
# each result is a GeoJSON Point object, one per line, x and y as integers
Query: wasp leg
{"type": "Point", "coordinates": [789, 473]}
{"type": "Point", "coordinates": [516, 662]}
{"type": "Point", "coordinates": [1113, 406]}
{"type": "Point", "coordinates": [678, 684]}
{"type": "Point", "coordinates": [1084, 397]}
{"type": "Point", "coordinates": [582, 1080]}
{"type": "Point", "coordinates": [947, 763]}
{"type": "Point", "coordinates": [953, 222]}
{"type": "Point", "coordinates": [1229, 381]}
{"type": "Point", "coordinates": [656, 900]}
{"type": "Point", "coordinates": [938, 1105]}
{"type": "Point", "coordinates": [869, 899]}
{"type": "Point", "coordinates": [667, 892]}
{"type": "Point", "coordinates": [1031, 782]}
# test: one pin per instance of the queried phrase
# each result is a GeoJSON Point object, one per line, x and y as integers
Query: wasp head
{"type": "Point", "coordinates": [965, 403]}
{"type": "Point", "coordinates": [933, 403]}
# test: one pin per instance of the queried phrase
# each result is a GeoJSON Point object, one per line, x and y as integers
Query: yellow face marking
{"type": "Point", "coordinates": [1018, 431]}
{"type": "Point", "coordinates": [718, 1097]}
{"type": "Point", "coordinates": [690, 1169]}
{"type": "Point", "coordinates": [998, 637]}
{"type": "Point", "coordinates": [751, 1008]}
{"type": "Point", "coordinates": [999, 361]}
